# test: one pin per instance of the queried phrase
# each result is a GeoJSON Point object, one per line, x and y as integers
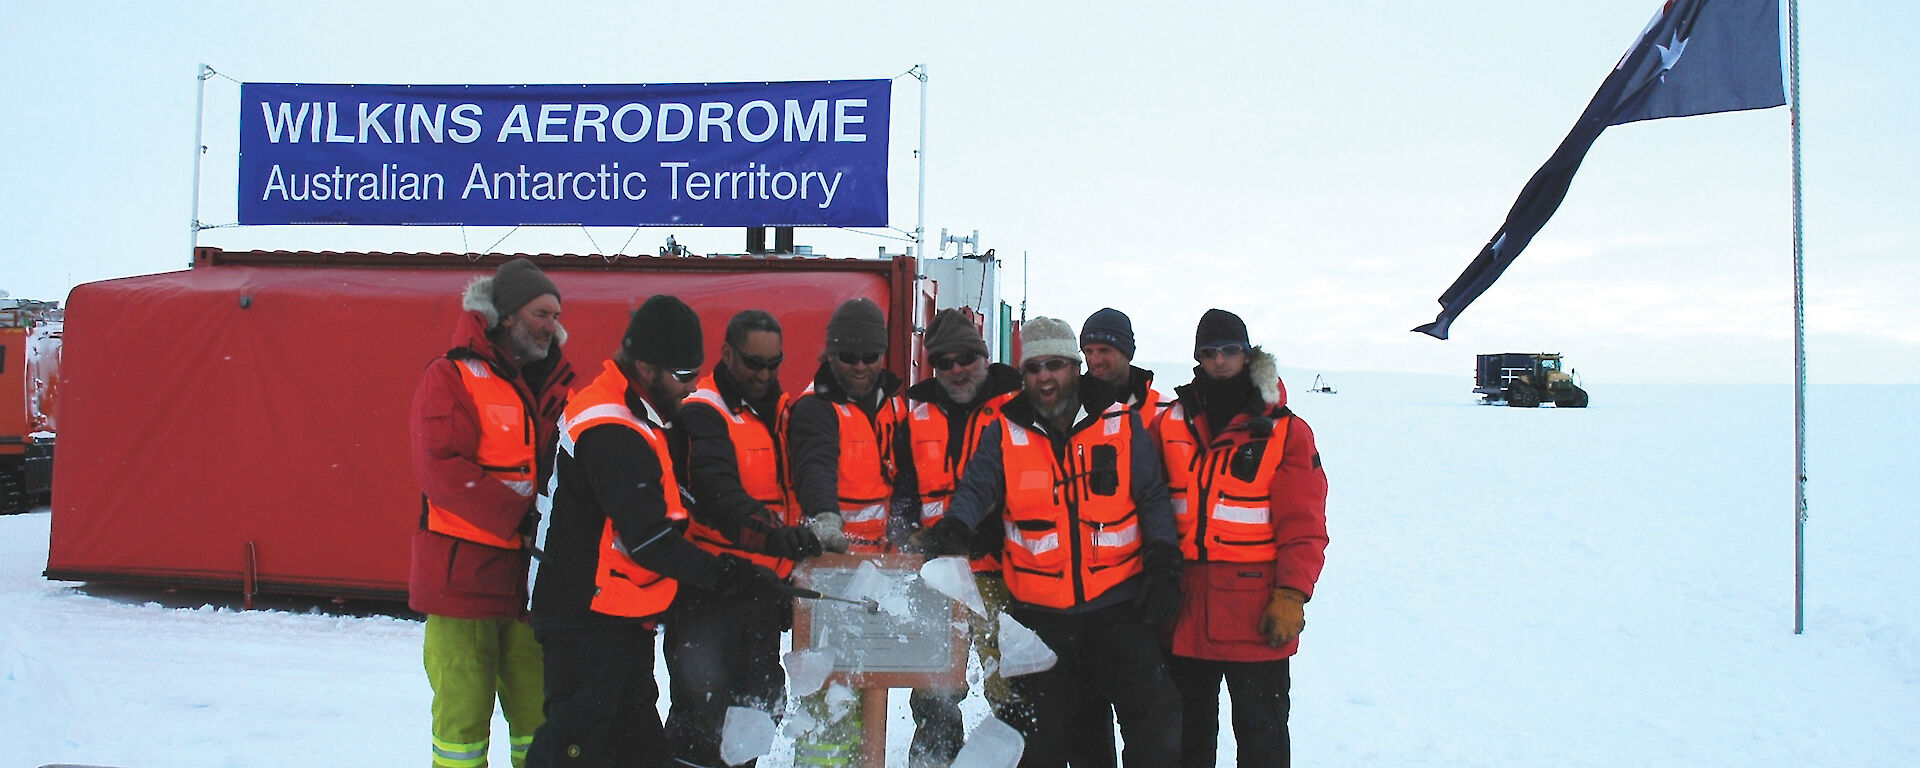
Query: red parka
{"type": "Point", "coordinates": [1222, 600]}
{"type": "Point", "coordinates": [457, 577]}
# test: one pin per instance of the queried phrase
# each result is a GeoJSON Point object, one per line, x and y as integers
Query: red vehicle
{"type": "Point", "coordinates": [30, 333]}
{"type": "Point", "coordinates": [243, 424]}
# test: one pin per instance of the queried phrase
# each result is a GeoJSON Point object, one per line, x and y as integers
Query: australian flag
{"type": "Point", "coordinates": [1694, 58]}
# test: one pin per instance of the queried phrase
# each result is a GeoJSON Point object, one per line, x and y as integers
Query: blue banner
{"type": "Point", "coordinates": [715, 154]}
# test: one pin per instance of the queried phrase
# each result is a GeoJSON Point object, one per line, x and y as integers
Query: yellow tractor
{"type": "Point", "coordinates": [1525, 380]}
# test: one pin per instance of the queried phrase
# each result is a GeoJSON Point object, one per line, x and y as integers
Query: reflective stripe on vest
{"type": "Point", "coordinates": [757, 455]}
{"type": "Point", "coordinates": [864, 477]}
{"type": "Point", "coordinates": [505, 451]}
{"type": "Point", "coordinates": [1221, 518]}
{"type": "Point", "coordinates": [622, 587]}
{"type": "Point", "coordinates": [1071, 527]}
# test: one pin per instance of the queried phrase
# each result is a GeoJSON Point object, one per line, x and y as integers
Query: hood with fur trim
{"type": "Point", "coordinates": [479, 298]}
{"type": "Point", "coordinates": [1266, 375]}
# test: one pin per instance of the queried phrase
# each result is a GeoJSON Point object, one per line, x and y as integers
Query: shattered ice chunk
{"type": "Point", "coordinates": [992, 744]}
{"type": "Point", "coordinates": [808, 670]}
{"type": "Point", "coordinates": [867, 583]}
{"type": "Point", "coordinates": [1021, 651]}
{"type": "Point", "coordinates": [746, 734]}
{"type": "Point", "coordinates": [953, 577]}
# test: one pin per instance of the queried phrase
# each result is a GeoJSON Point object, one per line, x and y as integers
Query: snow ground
{"type": "Point", "coordinates": [1505, 587]}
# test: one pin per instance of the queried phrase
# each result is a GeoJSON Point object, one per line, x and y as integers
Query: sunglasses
{"type": "Point", "coordinates": [1221, 350]}
{"type": "Point", "coordinates": [1034, 367]}
{"type": "Point", "coordinates": [687, 375]}
{"type": "Point", "coordinates": [961, 360]}
{"type": "Point", "coordinates": [757, 364]}
{"type": "Point", "coordinates": [850, 358]}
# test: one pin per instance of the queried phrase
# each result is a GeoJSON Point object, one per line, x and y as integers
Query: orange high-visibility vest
{"type": "Point", "coordinates": [762, 466]}
{"type": "Point", "coordinates": [622, 587]}
{"type": "Point", "coordinates": [505, 451]}
{"type": "Point", "coordinates": [1221, 518]}
{"type": "Point", "coordinates": [865, 471]}
{"type": "Point", "coordinates": [1071, 526]}
{"type": "Point", "coordinates": [935, 468]}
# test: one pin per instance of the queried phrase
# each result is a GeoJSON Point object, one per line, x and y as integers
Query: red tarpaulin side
{"type": "Point", "coordinates": [258, 411]}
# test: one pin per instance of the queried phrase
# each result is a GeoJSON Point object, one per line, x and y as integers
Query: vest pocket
{"type": "Point", "coordinates": [1035, 544]}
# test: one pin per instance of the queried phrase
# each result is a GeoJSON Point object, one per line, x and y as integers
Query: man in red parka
{"type": "Point", "coordinates": [1250, 502]}
{"type": "Point", "coordinates": [483, 425]}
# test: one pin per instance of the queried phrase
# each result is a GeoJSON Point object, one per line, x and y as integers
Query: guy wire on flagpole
{"type": "Point", "coordinates": [1799, 334]}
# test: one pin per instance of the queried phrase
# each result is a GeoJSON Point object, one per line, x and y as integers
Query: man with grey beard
{"type": "Point", "coordinates": [483, 427]}
{"type": "Point", "coordinates": [942, 428]}
{"type": "Point", "coordinates": [1091, 554]}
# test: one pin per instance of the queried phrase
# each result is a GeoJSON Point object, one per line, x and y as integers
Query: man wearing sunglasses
{"type": "Point", "coordinates": [944, 417]}
{"type": "Point", "coordinates": [725, 651]}
{"type": "Point", "coordinates": [483, 432]}
{"type": "Point", "coordinates": [840, 446]}
{"type": "Point", "coordinates": [616, 557]}
{"type": "Point", "coordinates": [1091, 554]}
{"type": "Point", "coordinates": [1252, 503]}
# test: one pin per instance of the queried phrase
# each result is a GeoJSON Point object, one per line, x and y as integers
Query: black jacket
{"type": "Point", "coordinates": [612, 473]}
{"type": "Point", "coordinates": [813, 438]}
{"type": "Point", "coordinates": [713, 467]}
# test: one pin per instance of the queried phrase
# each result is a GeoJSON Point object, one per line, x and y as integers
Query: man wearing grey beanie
{"type": "Point", "coordinates": [1091, 552]}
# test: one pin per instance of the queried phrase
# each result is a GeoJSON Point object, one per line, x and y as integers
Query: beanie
{"type": "Point", "coordinates": [664, 333]}
{"type": "Point", "coordinates": [952, 331]}
{"type": "Point", "coordinates": [1219, 326]}
{"type": "Point", "coordinates": [518, 282]}
{"type": "Point", "coordinates": [857, 326]}
{"type": "Point", "coordinates": [1111, 327]}
{"type": "Point", "coordinates": [1047, 337]}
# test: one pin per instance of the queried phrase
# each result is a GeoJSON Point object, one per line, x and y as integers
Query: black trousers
{"type": "Point", "coordinates": [1110, 653]}
{"type": "Point", "coordinates": [721, 651]}
{"type": "Point", "coordinates": [600, 699]}
{"type": "Point", "coordinates": [1259, 691]}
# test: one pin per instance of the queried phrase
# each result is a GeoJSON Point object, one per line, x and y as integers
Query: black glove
{"type": "Point", "coordinates": [947, 537]}
{"type": "Point", "coordinates": [734, 575]}
{"type": "Point", "coordinates": [793, 542]}
{"type": "Point", "coordinates": [1158, 600]}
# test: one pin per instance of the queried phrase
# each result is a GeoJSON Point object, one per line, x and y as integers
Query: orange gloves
{"type": "Point", "coordinates": [1284, 617]}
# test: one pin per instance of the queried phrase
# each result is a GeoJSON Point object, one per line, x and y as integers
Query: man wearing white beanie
{"type": "Point", "coordinates": [1092, 556]}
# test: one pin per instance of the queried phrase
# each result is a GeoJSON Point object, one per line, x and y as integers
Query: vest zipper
{"type": "Point", "coordinates": [1077, 475]}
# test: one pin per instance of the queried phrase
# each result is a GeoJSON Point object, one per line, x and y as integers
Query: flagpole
{"type": "Point", "coordinates": [1799, 335]}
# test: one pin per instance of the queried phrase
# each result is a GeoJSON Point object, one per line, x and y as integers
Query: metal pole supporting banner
{"type": "Point", "coordinates": [199, 108]}
{"type": "Point", "coordinates": [1799, 335]}
{"type": "Point", "coordinates": [920, 222]}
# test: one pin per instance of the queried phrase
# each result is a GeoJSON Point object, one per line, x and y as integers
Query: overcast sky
{"type": "Point", "coordinates": [1323, 169]}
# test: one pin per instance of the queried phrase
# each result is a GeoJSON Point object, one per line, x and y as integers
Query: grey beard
{"type": "Point", "coordinates": [524, 345]}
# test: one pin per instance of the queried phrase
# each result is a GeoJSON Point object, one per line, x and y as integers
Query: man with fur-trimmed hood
{"type": "Point", "coordinates": [483, 428]}
{"type": "Point", "coordinates": [1250, 501]}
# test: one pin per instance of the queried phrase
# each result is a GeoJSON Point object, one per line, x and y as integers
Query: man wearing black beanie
{"type": "Point", "coordinates": [615, 555]}
{"type": "Point", "coordinates": [1251, 506]}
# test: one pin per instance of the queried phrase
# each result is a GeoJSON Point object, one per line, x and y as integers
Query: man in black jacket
{"type": "Point", "coordinates": [615, 556]}
{"type": "Point", "coordinates": [724, 651]}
